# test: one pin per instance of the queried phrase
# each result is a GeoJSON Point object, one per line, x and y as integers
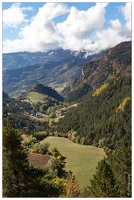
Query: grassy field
{"type": "Point", "coordinates": [35, 97]}
{"type": "Point", "coordinates": [59, 87]}
{"type": "Point", "coordinates": [80, 159]}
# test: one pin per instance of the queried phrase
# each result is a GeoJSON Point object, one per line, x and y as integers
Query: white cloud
{"type": "Point", "coordinates": [14, 45]}
{"type": "Point", "coordinates": [115, 25]}
{"type": "Point", "coordinates": [14, 16]}
{"type": "Point", "coordinates": [82, 30]}
{"type": "Point", "coordinates": [112, 36]}
{"type": "Point", "coordinates": [41, 33]}
{"type": "Point", "coordinates": [80, 24]}
{"type": "Point", "coordinates": [126, 11]}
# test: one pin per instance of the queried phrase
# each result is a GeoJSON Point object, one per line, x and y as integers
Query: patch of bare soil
{"type": "Point", "coordinates": [24, 137]}
{"type": "Point", "coordinates": [74, 105]}
{"type": "Point", "coordinates": [38, 159]}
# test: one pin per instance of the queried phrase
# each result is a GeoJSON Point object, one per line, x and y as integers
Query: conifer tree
{"type": "Point", "coordinates": [15, 163]}
{"type": "Point", "coordinates": [19, 178]}
{"type": "Point", "coordinates": [103, 183]}
{"type": "Point", "coordinates": [121, 166]}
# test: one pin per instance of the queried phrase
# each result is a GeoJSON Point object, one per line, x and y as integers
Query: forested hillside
{"type": "Point", "coordinates": [103, 118]}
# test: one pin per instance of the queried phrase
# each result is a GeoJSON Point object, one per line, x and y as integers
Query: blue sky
{"type": "Point", "coordinates": [87, 26]}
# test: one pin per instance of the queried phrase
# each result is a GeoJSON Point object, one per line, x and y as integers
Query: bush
{"type": "Point", "coordinates": [30, 141]}
{"type": "Point", "coordinates": [41, 135]}
{"type": "Point", "coordinates": [41, 148]}
{"type": "Point", "coordinates": [53, 167]}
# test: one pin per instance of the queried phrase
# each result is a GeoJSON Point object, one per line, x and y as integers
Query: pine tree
{"type": "Point", "coordinates": [103, 183]}
{"type": "Point", "coordinates": [121, 166]}
{"type": "Point", "coordinates": [19, 178]}
{"type": "Point", "coordinates": [15, 163]}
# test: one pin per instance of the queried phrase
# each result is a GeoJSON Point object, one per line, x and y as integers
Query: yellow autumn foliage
{"type": "Point", "coordinates": [59, 157]}
{"type": "Point", "coordinates": [100, 89]}
{"type": "Point", "coordinates": [122, 105]}
{"type": "Point", "coordinates": [58, 181]}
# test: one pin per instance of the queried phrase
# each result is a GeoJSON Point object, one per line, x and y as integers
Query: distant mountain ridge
{"type": "Point", "coordinates": [56, 69]}
{"type": "Point", "coordinates": [21, 59]}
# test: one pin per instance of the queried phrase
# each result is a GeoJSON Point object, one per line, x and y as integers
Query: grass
{"type": "Point", "coordinates": [80, 159]}
{"type": "Point", "coordinates": [35, 97]}
{"type": "Point", "coordinates": [59, 87]}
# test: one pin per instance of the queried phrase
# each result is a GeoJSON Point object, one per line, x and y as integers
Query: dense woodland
{"type": "Point", "coordinates": [101, 117]}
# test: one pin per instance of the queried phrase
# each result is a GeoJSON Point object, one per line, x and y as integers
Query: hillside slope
{"type": "Point", "coordinates": [46, 91]}
{"type": "Point", "coordinates": [103, 117]}
{"type": "Point", "coordinates": [117, 61]}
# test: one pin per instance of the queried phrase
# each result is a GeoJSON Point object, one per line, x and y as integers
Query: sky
{"type": "Point", "coordinates": [78, 26]}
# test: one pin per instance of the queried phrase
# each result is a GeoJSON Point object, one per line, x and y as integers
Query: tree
{"type": "Point", "coordinates": [53, 167]}
{"type": "Point", "coordinates": [71, 187]}
{"type": "Point", "coordinates": [20, 179]}
{"type": "Point", "coordinates": [121, 165]}
{"type": "Point", "coordinates": [104, 182]}
{"type": "Point", "coordinates": [15, 163]}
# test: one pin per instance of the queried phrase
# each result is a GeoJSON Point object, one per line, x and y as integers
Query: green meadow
{"type": "Point", "coordinates": [35, 97]}
{"type": "Point", "coordinates": [80, 159]}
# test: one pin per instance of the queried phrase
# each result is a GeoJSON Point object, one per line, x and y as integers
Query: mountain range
{"type": "Point", "coordinates": [69, 73]}
{"type": "Point", "coordinates": [21, 59]}
{"type": "Point", "coordinates": [56, 69]}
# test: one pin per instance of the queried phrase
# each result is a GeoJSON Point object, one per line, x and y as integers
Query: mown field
{"type": "Point", "coordinates": [80, 159]}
